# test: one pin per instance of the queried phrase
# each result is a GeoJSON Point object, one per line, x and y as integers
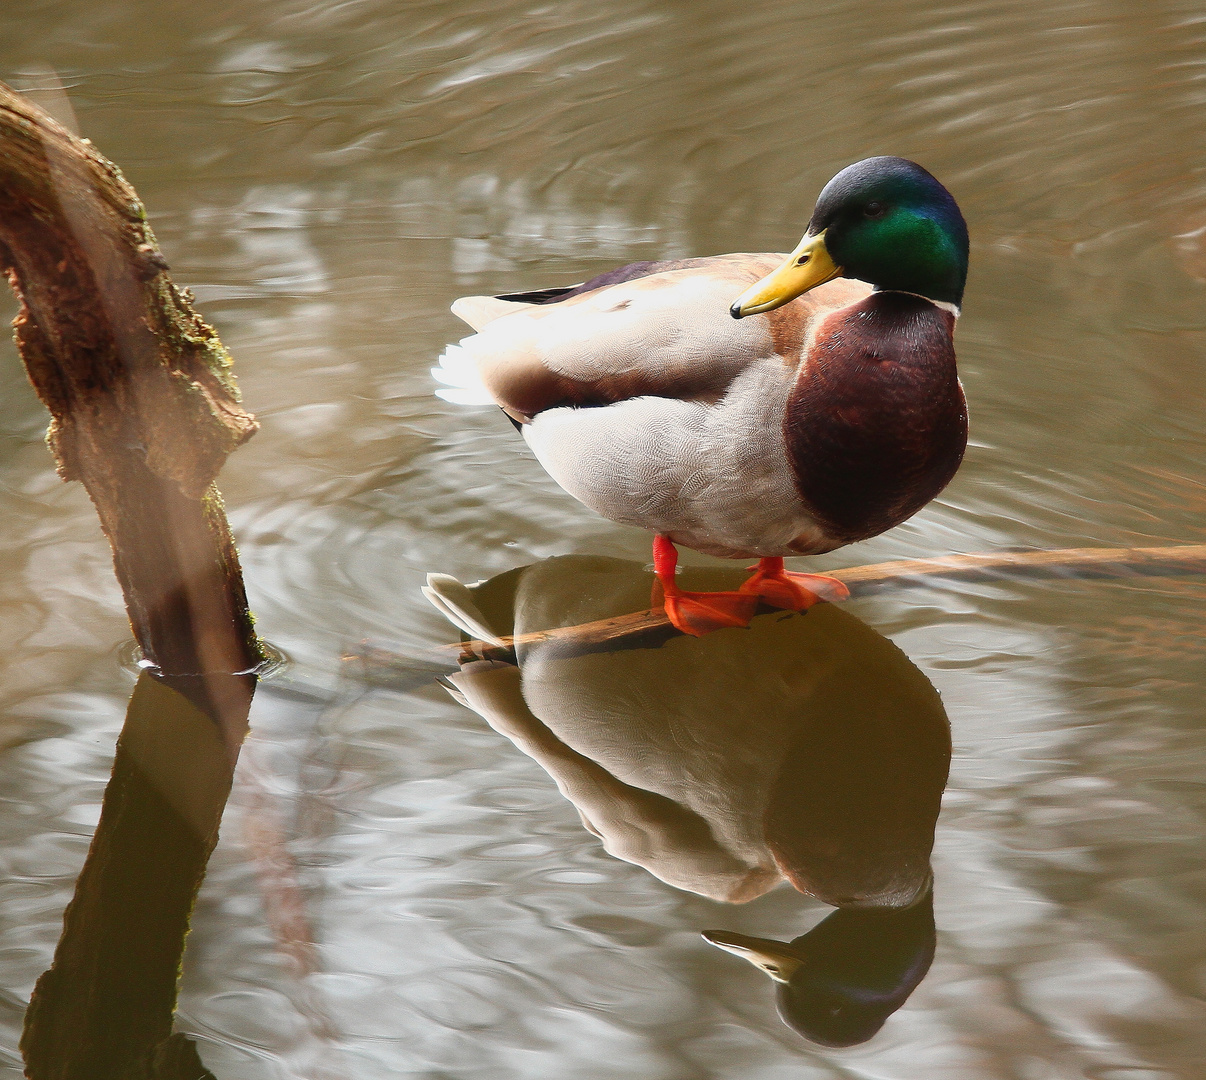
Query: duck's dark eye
{"type": "Point", "coordinates": [874, 209]}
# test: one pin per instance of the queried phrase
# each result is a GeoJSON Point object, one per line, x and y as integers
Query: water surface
{"type": "Point", "coordinates": [327, 178]}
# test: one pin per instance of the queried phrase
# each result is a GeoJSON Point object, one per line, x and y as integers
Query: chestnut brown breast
{"type": "Point", "coordinates": [876, 424]}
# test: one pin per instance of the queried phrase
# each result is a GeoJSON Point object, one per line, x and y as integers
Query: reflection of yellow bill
{"type": "Point", "coordinates": [805, 268]}
{"type": "Point", "coordinates": [772, 957]}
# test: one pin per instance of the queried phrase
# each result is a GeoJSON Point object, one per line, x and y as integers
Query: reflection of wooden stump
{"type": "Point", "coordinates": [105, 1005]}
{"type": "Point", "coordinates": [649, 629]}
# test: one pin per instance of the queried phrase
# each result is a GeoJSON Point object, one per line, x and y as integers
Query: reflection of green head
{"type": "Point", "coordinates": [890, 223]}
{"type": "Point", "coordinates": [839, 982]}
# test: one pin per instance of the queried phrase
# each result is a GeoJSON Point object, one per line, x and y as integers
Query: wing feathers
{"type": "Point", "coordinates": [478, 311]}
{"type": "Point", "coordinates": [665, 334]}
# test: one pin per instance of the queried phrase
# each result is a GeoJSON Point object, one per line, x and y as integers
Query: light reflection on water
{"type": "Point", "coordinates": [328, 178]}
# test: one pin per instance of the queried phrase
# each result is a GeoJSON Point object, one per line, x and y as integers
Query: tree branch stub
{"type": "Point", "coordinates": [143, 403]}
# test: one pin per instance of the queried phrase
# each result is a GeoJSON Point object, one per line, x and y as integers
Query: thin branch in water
{"type": "Point", "coordinates": [381, 666]}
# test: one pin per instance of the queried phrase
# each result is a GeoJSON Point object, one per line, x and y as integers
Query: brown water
{"type": "Point", "coordinates": [327, 178]}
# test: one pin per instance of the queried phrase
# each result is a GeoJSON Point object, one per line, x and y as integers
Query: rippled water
{"type": "Point", "coordinates": [327, 178]}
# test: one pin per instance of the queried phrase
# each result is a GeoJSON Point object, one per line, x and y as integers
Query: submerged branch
{"type": "Point", "coordinates": [649, 629]}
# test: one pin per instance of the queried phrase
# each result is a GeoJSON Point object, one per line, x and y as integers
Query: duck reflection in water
{"type": "Point", "coordinates": [806, 748]}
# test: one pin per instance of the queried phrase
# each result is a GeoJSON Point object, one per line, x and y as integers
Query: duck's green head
{"type": "Point", "coordinates": [883, 220]}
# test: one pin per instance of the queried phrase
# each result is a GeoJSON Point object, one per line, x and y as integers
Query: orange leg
{"type": "Point", "coordinates": [795, 592]}
{"type": "Point", "coordinates": [698, 613]}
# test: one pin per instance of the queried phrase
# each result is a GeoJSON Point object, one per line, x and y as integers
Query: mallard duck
{"type": "Point", "coordinates": [747, 405]}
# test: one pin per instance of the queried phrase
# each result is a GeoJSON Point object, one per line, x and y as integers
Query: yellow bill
{"type": "Point", "coordinates": [805, 268]}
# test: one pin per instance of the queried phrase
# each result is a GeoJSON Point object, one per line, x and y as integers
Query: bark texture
{"type": "Point", "coordinates": [144, 407]}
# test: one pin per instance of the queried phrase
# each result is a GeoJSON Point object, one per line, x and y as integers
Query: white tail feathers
{"type": "Point", "coordinates": [458, 366]}
{"type": "Point", "coordinates": [458, 373]}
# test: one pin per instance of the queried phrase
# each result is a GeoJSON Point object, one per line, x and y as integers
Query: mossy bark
{"type": "Point", "coordinates": [144, 407]}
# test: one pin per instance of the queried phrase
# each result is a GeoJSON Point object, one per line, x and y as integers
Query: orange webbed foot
{"type": "Point", "coordinates": [791, 591]}
{"type": "Point", "coordinates": [699, 613]}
